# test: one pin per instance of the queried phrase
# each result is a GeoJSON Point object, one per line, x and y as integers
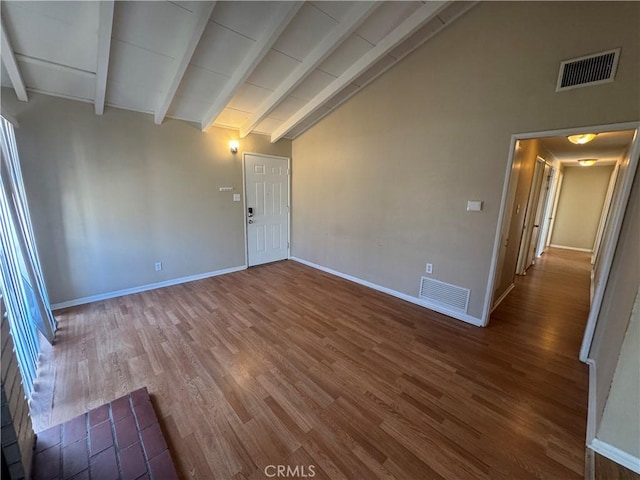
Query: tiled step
{"type": "Point", "coordinates": [119, 440]}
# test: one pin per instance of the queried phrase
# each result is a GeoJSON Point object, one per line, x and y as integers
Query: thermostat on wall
{"type": "Point", "coordinates": [474, 206]}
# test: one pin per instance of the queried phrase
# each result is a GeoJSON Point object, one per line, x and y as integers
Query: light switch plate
{"type": "Point", "coordinates": [236, 197]}
{"type": "Point", "coordinates": [474, 206]}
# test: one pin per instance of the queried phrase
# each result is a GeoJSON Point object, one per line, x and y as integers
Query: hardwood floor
{"type": "Point", "coordinates": [285, 365]}
{"type": "Point", "coordinates": [606, 469]}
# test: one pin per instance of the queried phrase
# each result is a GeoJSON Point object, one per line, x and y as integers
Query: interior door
{"type": "Point", "coordinates": [540, 214]}
{"type": "Point", "coordinates": [525, 258]}
{"type": "Point", "coordinates": [547, 217]}
{"type": "Point", "coordinates": [267, 203]}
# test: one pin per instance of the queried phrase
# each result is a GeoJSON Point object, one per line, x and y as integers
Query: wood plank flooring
{"type": "Point", "coordinates": [285, 365]}
{"type": "Point", "coordinates": [606, 469]}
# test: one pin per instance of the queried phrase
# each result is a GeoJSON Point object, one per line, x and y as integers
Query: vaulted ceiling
{"type": "Point", "coordinates": [274, 68]}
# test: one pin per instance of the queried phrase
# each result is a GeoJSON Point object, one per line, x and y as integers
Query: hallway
{"type": "Point", "coordinates": [549, 306]}
{"type": "Point", "coordinates": [542, 322]}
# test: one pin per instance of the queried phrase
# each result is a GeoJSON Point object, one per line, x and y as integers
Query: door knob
{"type": "Point", "coordinates": [250, 221]}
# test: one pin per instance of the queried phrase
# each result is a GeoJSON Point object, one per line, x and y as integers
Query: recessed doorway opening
{"type": "Point", "coordinates": [549, 182]}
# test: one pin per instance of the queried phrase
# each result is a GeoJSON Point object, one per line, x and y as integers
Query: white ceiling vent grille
{"type": "Point", "coordinates": [443, 293]}
{"type": "Point", "coordinates": [590, 70]}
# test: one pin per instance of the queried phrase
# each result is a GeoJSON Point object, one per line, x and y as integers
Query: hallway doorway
{"type": "Point", "coordinates": [551, 303]}
{"type": "Point", "coordinates": [524, 216]}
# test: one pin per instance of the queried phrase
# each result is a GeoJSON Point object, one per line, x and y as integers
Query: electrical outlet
{"type": "Point", "coordinates": [429, 268]}
{"type": "Point", "coordinates": [158, 266]}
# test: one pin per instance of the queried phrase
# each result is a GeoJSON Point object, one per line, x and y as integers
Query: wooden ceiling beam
{"type": "Point", "coordinates": [387, 44]}
{"type": "Point", "coordinates": [202, 14]}
{"type": "Point", "coordinates": [105, 25]}
{"type": "Point", "coordinates": [279, 20]}
{"type": "Point", "coordinates": [332, 40]}
{"type": "Point", "coordinates": [10, 63]}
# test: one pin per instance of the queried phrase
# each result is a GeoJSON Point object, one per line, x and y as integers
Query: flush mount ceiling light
{"type": "Point", "coordinates": [587, 162]}
{"type": "Point", "coordinates": [581, 138]}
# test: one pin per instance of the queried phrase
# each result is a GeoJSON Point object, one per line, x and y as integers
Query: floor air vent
{"type": "Point", "coordinates": [590, 70]}
{"type": "Point", "coordinates": [443, 293]}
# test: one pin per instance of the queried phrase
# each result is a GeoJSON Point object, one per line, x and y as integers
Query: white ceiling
{"type": "Point", "coordinates": [266, 67]}
{"type": "Point", "coordinates": [607, 147]}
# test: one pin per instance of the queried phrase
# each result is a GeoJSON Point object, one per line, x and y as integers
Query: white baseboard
{"type": "Point", "coordinates": [565, 247]}
{"type": "Point", "coordinates": [418, 301]}
{"type": "Point", "coordinates": [613, 453]}
{"type": "Point", "coordinates": [144, 288]}
{"type": "Point", "coordinates": [503, 296]}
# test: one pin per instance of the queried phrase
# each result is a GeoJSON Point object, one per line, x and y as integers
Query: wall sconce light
{"type": "Point", "coordinates": [587, 162]}
{"type": "Point", "coordinates": [233, 146]}
{"type": "Point", "coordinates": [582, 138]}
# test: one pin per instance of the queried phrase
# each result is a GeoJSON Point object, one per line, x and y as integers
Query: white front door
{"type": "Point", "coordinates": [267, 215]}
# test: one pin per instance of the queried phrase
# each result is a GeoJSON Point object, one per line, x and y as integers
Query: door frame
{"type": "Point", "coordinates": [533, 202]}
{"type": "Point", "coordinates": [608, 249]}
{"type": "Point", "coordinates": [548, 208]}
{"type": "Point", "coordinates": [606, 208]}
{"type": "Point", "coordinates": [244, 202]}
{"type": "Point", "coordinates": [553, 206]}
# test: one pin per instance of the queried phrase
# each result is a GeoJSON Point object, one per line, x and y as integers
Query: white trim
{"type": "Point", "coordinates": [614, 453]}
{"type": "Point", "coordinates": [403, 296]}
{"type": "Point", "coordinates": [144, 288]}
{"type": "Point", "coordinates": [546, 214]}
{"type": "Point", "coordinates": [608, 254]}
{"type": "Point", "coordinates": [603, 448]}
{"type": "Point", "coordinates": [503, 296]}
{"type": "Point", "coordinates": [531, 211]}
{"type": "Point", "coordinates": [567, 247]}
{"type": "Point", "coordinates": [556, 201]}
{"type": "Point", "coordinates": [592, 400]}
{"type": "Point", "coordinates": [613, 127]}
{"type": "Point", "coordinates": [605, 211]}
{"type": "Point", "coordinates": [486, 313]}
{"type": "Point", "coordinates": [244, 202]}
{"type": "Point", "coordinates": [244, 213]}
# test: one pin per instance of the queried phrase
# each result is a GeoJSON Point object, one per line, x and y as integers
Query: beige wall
{"type": "Point", "coordinates": [524, 161]}
{"type": "Point", "coordinates": [617, 304]}
{"type": "Point", "coordinates": [380, 185]}
{"type": "Point", "coordinates": [111, 195]}
{"type": "Point", "coordinates": [580, 206]}
{"type": "Point", "coordinates": [620, 425]}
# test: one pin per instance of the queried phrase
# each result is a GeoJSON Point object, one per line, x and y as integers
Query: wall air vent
{"type": "Point", "coordinates": [445, 294]}
{"type": "Point", "coordinates": [590, 70]}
